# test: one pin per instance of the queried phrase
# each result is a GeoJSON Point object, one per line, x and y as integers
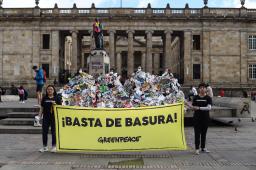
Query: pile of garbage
{"type": "Point", "coordinates": [107, 91]}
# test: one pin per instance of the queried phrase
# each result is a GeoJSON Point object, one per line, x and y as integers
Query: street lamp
{"type": "Point", "coordinates": [1, 2]}
{"type": "Point", "coordinates": [37, 2]}
{"type": "Point", "coordinates": [242, 3]}
{"type": "Point", "coordinates": [205, 3]}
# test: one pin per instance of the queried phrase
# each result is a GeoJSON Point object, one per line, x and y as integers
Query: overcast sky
{"type": "Point", "coordinates": [127, 3]}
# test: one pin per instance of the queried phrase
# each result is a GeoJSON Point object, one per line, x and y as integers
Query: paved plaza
{"type": "Point", "coordinates": [229, 150]}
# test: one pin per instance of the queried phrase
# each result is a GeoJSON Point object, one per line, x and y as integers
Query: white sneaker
{"type": "Point", "coordinates": [197, 152]}
{"type": "Point", "coordinates": [53, 150]}
{"type": "Point", "coordinates": [37, 125]}
{"type": "Point", "coordinates": [44, 149]}
{"type": "Point", "coordinates": [205, 150]}
{"type": "Point", "coordinates": [23, 102]}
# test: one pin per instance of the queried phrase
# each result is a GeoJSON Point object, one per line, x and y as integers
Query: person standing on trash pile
{"type": "Point", "coordinates": [202, 104]}
{"type": "Point", "coordinates": [48, 117]}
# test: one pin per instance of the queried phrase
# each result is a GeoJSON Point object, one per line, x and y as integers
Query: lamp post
{"type": "Point", "coordinates": [37, 2]}
{"type": "Point", "coordinates": [242, 3]}
{"type": "Point", "coordinates": [205, 3]}
{"type": "Point", "coordinates": [1, 2]}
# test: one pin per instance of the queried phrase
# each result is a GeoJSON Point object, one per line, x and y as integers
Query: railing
{"type": "Point", "coordinates": [46, 11]}
{"type": "Point", "coordinates": [65, 11]}
{"type": "Point", "coordinates": [177, 11]}
{"type": "Point", "coordinates": [158, 11]}
{"type": "Point", "coordinates": [139, 11]}
{"type": "Point", "coordinates": [195, 11]}
{"type": "Point", "coordinates": [181, 12]}
{"type": "Point", "coordinates": [84, 11]}
{"type": "Point", "coordinates": [102, 11]}
{"type": "Point", "coordinates": [251, 12]}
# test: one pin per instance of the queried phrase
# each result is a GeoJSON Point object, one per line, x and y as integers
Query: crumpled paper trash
{"type": "Point", "coordinates": [106, 91]}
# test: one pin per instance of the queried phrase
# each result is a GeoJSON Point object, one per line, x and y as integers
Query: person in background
{"type": "Point", "coordinates": [48, 117]}
{"type": "Point", "coordinates": [21, 93]}
{"type": "Point", "coordinates": [14, 90]}
{"type": "Point", "coordinates": [245, 94]}
{"type": "Point", "coordinates": [221, 93]}
{"type": "Point", "coordinates": [209, 90]}
{"type": "Point", "coordinates": [201, 104]}
{"type": "Point", "coordinates": [39, 78]}
{"type": "Point", "coordinates": [192, 93]}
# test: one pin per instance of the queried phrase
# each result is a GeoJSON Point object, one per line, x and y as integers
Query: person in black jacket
{"type": "Point", "coordinates": [48, 117]}
{"type": "Point", "coordinates": [201, 105]}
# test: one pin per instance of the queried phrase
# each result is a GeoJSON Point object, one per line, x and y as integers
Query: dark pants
{"type": "Point", "coordinates": [48, 120]}
{"type": "Point", "coordinates": [21, 97]}
{"type": "Point", "coordinates": [200, 128]}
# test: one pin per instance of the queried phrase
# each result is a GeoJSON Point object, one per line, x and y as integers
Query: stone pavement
{"type": "Point", "coordinates": [230, 150]}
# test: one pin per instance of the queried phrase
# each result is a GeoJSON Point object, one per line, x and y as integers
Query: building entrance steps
{"type": "Point", "coordinates": [18, 118]}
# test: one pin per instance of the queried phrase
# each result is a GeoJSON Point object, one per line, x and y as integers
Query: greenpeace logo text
{"type": "Point", "coordinates": [119, 139]}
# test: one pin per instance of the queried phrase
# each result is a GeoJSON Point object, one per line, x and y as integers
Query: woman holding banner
{"type": "Point", "coordinates": [201, 105]}
{"type": "Point", "coordinates": [48, 117]}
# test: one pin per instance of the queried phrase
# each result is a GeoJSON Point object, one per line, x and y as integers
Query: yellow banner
{"type": "Point", "coordinates": [135, 129]}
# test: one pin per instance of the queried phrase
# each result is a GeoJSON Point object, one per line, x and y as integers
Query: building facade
{"type": "Point", "coordinates": [215, 45]}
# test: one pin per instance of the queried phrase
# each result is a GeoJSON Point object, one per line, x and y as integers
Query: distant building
{"type": "Point", "coordinates": [216, 45]}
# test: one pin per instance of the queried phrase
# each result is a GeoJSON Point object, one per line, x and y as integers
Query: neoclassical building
{"type": "Point", "coordinates": [216, 45]}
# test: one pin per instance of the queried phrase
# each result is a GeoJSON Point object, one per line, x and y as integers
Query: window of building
{"type": "Point", "coordinates": [196, 71]}
{"type": "Point", "coordinates": [252, 71]}
{"type": "Point", "coordinates": [196, 42]}
{"type": "Point", "coordinates": [46, 41]}
{"type": "Point", "coordinates": [252, 42]}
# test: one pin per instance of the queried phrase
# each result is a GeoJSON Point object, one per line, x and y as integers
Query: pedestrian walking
{"type": "Point", "coordinates": [48, 117]}
{"type": "Point", "coordinates": [39, 78]}
{"type": "Point", "coordinates": [201, 105]}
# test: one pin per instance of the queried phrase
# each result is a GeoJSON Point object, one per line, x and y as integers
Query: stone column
{"type": "Point", "coordinates": [149, 51]}
{"type": "Point", "coordinates": [119, 63]}
{"type": "Point", "coordinates": [206, 57]}
{"type": "Point", "coordinates": [243, 58]}
{"type": "Point", "coordinates": [92, 46]}
{"type": "Point", "coordinates": [187, 57]}
{"type": "Point", "coordinates": [156, 63]}
{"type": "Point", "coordinates": [112, 48]}
{"type": "Point", "coordinates": [55, 54]}
{"type": "Point", "coordinates": [36, 39]}
{"type": "Point", "coordinates": [130, 63]}
{"type": "Point", "coordinates": [143, 61]}
{"type": "Point", "coordinates": [167, 49]}
{"type": "Point", "coordinates": [74, 52]}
